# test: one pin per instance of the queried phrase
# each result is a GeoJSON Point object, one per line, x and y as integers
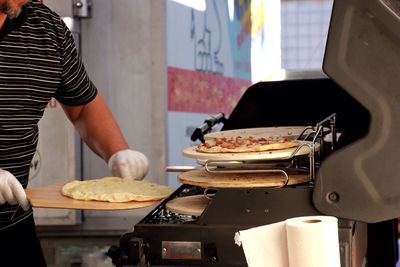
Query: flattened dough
{"type": "Point", "coordinates": [115, 189]}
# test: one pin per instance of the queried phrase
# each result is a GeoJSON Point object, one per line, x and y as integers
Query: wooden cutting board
{"type": "Point", "coordinates": [189, 205]}
{"type": "Point", "coordinates": [205, 179]}
{"type": "Point", "coordinates": [51, 197]}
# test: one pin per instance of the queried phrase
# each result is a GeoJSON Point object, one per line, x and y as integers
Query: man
{"type": "Point", "coordinates": [38, 61]}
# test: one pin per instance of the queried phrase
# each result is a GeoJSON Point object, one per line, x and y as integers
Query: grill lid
{"type": "Point", "coordinates": [363, 57]}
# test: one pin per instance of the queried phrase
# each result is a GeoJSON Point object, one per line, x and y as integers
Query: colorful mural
{"type": "Point", "coordinates": [193, 91]}
{"type": "Point", "coordinates": [212, 55]}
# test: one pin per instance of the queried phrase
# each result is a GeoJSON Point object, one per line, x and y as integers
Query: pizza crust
{"type": "Point", "coordinates": [115, 189]}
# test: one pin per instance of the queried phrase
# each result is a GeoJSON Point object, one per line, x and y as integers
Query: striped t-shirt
{"type": "Point", "coordinates": [38, 61]}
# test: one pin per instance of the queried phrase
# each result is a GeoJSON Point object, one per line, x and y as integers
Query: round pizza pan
{"type": "Point", "coordinates": [280, 154]}
{"type": "Point", "coordinates": [205, 179]}
{"type": "Point", "coordinates": [189, 205]}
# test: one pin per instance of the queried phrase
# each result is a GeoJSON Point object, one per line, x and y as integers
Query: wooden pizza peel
{"type": "Point", "coordinates": [51, 197]}
{"type": "Point", "coordinates": [205, 179]}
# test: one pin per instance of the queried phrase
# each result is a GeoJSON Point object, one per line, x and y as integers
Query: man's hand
{"type": "Point", "coordinates": [11, 190]}
{"type": "Point", "coordinates": [129, 164]}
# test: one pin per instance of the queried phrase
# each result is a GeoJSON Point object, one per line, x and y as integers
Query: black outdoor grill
{"type": "Point", "coordinates": [356, 179]}
{"type": "Point", "coordinates": [164, 238]}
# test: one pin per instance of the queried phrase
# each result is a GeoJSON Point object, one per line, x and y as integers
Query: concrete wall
{"type": "Point", "coordinates": [123, 50]}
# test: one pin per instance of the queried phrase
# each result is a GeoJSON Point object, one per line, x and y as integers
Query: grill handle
{"type": "Point", "coordinates": [206, 127]}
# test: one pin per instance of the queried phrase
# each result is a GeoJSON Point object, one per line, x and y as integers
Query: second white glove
{"type": "Point", "coordinates": [11, 190]}
{"type": "Point", "coordinates": [129, 164]}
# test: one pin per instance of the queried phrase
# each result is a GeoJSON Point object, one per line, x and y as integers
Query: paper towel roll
{"type": "Point", "coordinates": [265, 246]}
{"type": "Point", "coordinates": [311, 241]}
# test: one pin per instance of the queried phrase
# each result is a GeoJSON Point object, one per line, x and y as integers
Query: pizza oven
{"type": "Point", "coordinates": [346, 121]}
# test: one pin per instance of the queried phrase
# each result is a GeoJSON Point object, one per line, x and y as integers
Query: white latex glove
{"type": "Point", "coordinates": [11, 190]}
{"type": "Point", "coordinates": [129, 164]}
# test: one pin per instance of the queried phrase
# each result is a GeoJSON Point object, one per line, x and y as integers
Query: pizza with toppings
{"type": "Point", "coordinates": [241, 144]}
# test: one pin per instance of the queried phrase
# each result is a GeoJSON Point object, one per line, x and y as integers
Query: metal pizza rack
{"type": "Point", "coordinates": [311, 141]}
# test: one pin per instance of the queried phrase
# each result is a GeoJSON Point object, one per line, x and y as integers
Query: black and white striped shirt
{"type": "Point", "coordinates": [38, 61]}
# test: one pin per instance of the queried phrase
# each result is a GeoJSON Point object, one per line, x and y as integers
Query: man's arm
{"type": "Point", "coordinates": [97, 127]}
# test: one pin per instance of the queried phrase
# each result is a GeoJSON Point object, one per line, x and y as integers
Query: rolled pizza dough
{"type": "Point", "coordinates": [115, 189]}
